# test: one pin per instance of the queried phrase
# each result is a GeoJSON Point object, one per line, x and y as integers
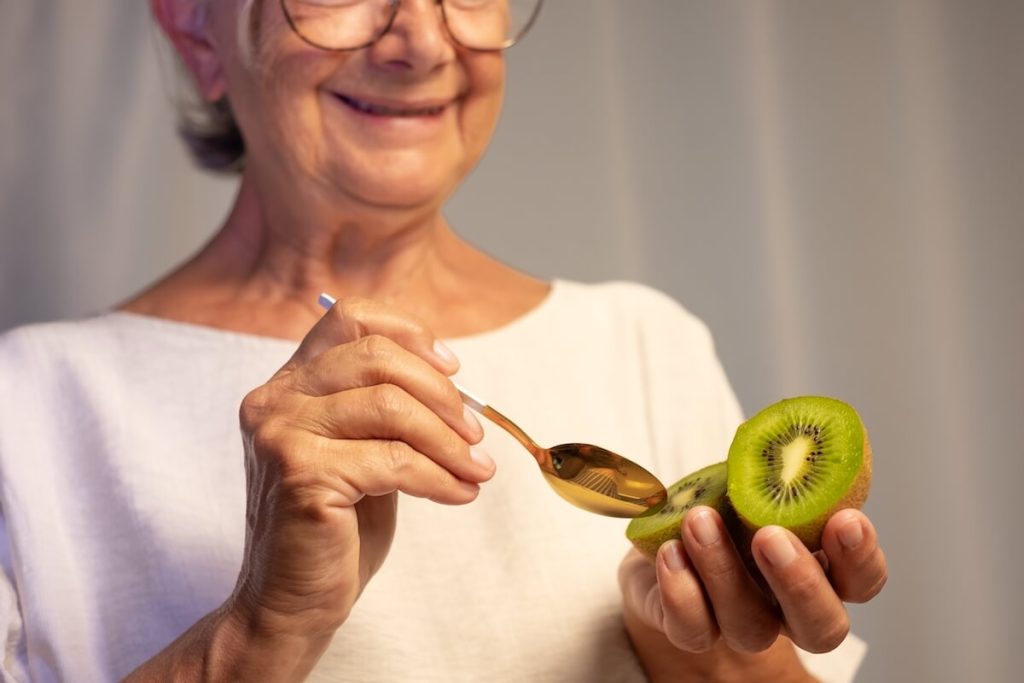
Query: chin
{"type": "Point", "coordinates": [398, 184]}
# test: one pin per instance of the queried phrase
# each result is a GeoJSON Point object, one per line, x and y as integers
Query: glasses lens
{"type": "Point", "coordinates": [338, 24]}
{"type": "Point", "coordinates": [489, 24]}
{"type": "Point", "coordinates": [350, 24]}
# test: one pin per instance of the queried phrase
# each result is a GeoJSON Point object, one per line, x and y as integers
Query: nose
{"type": "Point", "coordinates": [417, 40]}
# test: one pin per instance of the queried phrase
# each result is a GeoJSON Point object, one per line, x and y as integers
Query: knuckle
{"type": "Point", "coordinates": [452, 397]}
{"type": "Point", "coordinates": [255, 407]}
{"type": "Point", "coordinates": [752, 640]}
{"type": "Point", "coordinates": [693, 642]}
{"type": "Point", "coordinates": [453, 446]}
{"type": "Point", "coordinates": [269, 441]}
{"type": "Point", "coordinates": [719, 568]}
{"type": "Point", "coordinates": [350, 307]}
{"type": "Point", "coordinates": [830, 637]}
{"type": "Point", "coordinates": [352, 311]}
{"type": "Point", "coordinates": [871, 591]}
{"type": "Point", "coordinates": [396, 456]}
{"type": "Point", "coordinates": [376, 349]}
{"type": "Point", "coordinates": [804, 586]}
{"type": "Point", "coordinates": [390, 404]}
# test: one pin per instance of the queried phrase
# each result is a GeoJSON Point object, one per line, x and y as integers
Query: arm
{"type": "Point", "coordinates": [224, 647]}
{"type": "Point", "coordinates": [665, 663]}
{"type": "Point", "coordinates": [363, 409]}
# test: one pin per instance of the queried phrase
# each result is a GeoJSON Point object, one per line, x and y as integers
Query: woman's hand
{"type": "Point", "coordinates": [699, 594]}
{"type": "Point", "coordinates": [363, 410]}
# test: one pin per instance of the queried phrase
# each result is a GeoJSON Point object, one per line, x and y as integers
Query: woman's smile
{"type": "Point", "coordinates": [378, 107]}
{"type": "Point", "coordinates": [370, 121]}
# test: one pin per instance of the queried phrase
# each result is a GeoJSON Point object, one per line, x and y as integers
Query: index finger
{"type": "Point", "coordinates": [352, 318]}
{"type": "Point", "coordinates": [815, 616]}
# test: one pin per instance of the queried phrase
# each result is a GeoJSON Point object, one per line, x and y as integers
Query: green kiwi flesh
{"type": "Point", "coordinates": [796, 463]}
{"type": "Point", "coordinates": [703, 487]}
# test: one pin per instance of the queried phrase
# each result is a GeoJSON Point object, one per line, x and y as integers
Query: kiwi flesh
{"type": "Point", "coordinates": [703, 487]}
{"type": "Point", "coordinates": [796, 463]}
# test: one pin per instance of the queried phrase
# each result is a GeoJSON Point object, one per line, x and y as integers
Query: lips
{"type": "Point", "coordinates": [393, 108]}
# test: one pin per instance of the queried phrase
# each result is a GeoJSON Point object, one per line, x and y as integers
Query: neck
{"type": "Point", "coordinates": [263, 271]}
{"type": "Point", "coordinates": [383, 254]}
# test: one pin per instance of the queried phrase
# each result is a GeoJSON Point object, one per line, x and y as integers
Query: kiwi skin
{"type": "Point", "coordinates": [809, 532]}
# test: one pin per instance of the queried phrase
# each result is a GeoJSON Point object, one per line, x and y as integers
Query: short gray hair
{"type": "Point", "coordinates": [209, 129]}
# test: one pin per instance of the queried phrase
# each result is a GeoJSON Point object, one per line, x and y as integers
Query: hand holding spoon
{"type": "Point", "coordinates": [590, 477]}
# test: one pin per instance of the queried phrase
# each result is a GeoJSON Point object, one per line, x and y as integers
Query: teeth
{"type": "Point", "coordinates": [380, 110]}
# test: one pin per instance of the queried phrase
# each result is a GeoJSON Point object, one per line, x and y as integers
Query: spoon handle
{"type": "Point", "coordinates": [474, 402]}
{"type": "Point", "coordinates": [481, 406]}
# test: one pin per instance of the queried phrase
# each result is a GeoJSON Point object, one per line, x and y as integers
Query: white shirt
{"type": "Point", "coordinates": [122, 495]}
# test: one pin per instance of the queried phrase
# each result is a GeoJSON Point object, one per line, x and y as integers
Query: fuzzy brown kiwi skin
{"type": "Point", "coordinates": [810, 533]}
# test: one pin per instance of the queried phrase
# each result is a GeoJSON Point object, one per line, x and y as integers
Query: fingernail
{"type": "Point", "coordinates": [480, 457]}
{"type": "Point", "coordinates": [778, 549]}
{"type": "Point", "coordinates": [469, 487]}
{"type": "Point", "coordinates": [674, 558]}
{"type": "Point", "coordinates": [704, 528]}
{"type": "Point", "coordinates": [470, 419]}
{"type": "Point", "coordinates": [444, 353]}
{"type": "Point", "coordinates": [851, 534]}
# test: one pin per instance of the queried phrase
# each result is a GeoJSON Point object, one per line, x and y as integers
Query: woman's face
{"type": "Point", "coordinates": [397, 124]}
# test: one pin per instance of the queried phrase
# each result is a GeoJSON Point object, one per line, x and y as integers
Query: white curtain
{"type": "Point", "coordinates": [835, 187]}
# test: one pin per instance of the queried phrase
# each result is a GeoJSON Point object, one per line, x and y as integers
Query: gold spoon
{"type": "Point", "coordinates": [589, 477]}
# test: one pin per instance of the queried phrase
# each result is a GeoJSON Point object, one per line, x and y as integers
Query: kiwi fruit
{"type": "Point", "coordinates": [796, 463]}
{"type": "Point", "coordinates": [793, 464]}
{"type": "Point", "coordinates": [703, 487]}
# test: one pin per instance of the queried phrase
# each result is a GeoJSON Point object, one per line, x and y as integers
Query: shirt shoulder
{"type": "Point", "coordinates": [653, 323]}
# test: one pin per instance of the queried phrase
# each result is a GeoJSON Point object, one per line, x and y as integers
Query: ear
{"type": "Point", "coordinates": [187, 25]}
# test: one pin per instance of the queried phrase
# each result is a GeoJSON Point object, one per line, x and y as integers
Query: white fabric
{"type": "Point", "coordinates": [123, 495]}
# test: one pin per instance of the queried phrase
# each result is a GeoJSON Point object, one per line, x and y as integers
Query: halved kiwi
{"type": "Point", "coordinates": [797, 462]}
{"type": "Point", "coordinates": [703, 487]}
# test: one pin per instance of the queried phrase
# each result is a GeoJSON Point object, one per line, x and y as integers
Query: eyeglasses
{"type": "Point", "coordinates": [355, 24]}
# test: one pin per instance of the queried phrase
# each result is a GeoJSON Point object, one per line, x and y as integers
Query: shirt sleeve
{"type": "Point", "coordinates": [13, 664]}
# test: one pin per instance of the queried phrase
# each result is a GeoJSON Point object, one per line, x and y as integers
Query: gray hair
{"type": "Point", "coordinates": [209, 129]}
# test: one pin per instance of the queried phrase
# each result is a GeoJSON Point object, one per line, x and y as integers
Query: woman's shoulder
{"type": "Point", "coordinates": [30, 343]}
{"type": "Point", "coordinates": [636, 305]}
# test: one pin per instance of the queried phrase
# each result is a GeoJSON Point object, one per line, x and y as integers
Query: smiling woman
{"type": "Point", "coordinates": [360, 528]}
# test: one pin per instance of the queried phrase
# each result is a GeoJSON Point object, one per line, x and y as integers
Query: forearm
{"type": "Point", "coordinates": [227, 646]}
{"type": "Point", "coordinates": [664, 663]}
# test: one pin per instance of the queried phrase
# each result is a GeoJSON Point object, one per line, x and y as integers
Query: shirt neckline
{"type": "Point", "coordinates": [555, 292]}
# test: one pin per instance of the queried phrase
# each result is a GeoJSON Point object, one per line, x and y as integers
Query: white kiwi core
{"type": "Point", "coordinates": [794, 458]}
{"type": "Point", "coordinates": [682, 498]}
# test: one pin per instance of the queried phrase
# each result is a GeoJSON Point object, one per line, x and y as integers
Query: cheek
{"type": "Point", "coordinates": [287, 112]}
{"type": "Point", "coordinates": [487, 78]}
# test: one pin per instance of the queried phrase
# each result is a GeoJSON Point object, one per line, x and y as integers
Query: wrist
{"type": "Point", "coordinates": [248, 644]}
{"type": "Point", "coordinates": [664, 663]}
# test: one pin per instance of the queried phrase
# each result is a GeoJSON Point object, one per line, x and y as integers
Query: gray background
{"type": "Point", "coordinates": [835, 187]}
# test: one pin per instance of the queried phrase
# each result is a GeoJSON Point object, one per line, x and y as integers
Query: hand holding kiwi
{"type": "Point", "coordinates": [796, 464]}
{"type": "Point", "coordinates": [793, 464]}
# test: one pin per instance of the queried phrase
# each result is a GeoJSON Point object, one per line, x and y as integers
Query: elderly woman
{"type": "Point", "coordinates": [359, 530]}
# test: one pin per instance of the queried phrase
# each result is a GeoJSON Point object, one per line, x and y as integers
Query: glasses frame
{"type": "Point", "coordinates": [395, 4]}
